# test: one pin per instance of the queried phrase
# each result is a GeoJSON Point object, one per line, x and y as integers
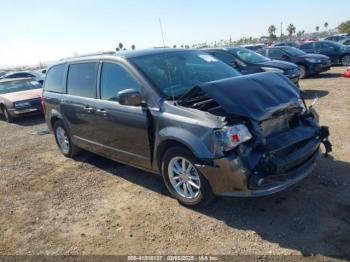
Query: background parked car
{"type": "Point", "coordinates": [254, 47]}
{"type": "Point", "coordinates": [250, 62]}
{"type": "Point", "coordinates": [345, 41]}
{"type": "Point", "coordinates": [19, 97]}
{"type": "Point", "coordinates": [336, 38]}
{"type": "Point", "coordinates": [338, 53]}
{"type": "Point", "coordinates": [42, 71]}
{"type": "Point", "coordinates": [309, 64]}
{"type": "Point", "coordinates": [39, 77]}
{"type": "Point", "coordinates": [289, 43]}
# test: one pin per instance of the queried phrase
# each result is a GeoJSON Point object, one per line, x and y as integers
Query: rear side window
{"type": "Point", "coordinates": [114, 78]}
{"type": "Point", "coordinates": [307, 46]}
{"type": "Point", "coordinates": [82, 80]}
{"type": "Point", "coordinates": [275, 53]}
{"type": "Point", "coordinates": [224, 56]}
{"type": "Point", "coordinates": [54, 81]}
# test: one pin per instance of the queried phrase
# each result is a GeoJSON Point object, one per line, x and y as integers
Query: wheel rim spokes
{"type": "Point", "coordinates": [62, 139]}
{"type": "Point", "coordinates": [184, 177]}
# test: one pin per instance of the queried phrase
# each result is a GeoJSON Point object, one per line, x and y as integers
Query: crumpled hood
{"type": "Point", "coordinates": [278, 64]}
{"type": "Point", "coordinates": [255, 96]}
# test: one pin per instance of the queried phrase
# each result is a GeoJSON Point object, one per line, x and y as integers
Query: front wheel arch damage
{"type": "Point", "coordinates": [163, 147]}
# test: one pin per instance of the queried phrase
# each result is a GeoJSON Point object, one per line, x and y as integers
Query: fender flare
{"type": "Point", "coordinates": [184, 137]}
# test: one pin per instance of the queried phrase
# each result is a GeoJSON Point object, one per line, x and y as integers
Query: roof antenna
{"type": "Point", "coordinates": [161, 31]}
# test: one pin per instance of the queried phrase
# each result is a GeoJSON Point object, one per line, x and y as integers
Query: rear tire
{"type": "Point", "coordinates": [183, 180]}
{"type": "Point", "coordinates": [303, 72]}
{"type": "Point", "coordinates": [63, 140]}
{"type": "Point", "coordinates": [8, 117]}
{"type": "Point", "coordinates": [345, 60]}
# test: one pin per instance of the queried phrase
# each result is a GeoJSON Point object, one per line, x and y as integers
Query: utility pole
{"type": "Point", "coordinates": [161, 31]}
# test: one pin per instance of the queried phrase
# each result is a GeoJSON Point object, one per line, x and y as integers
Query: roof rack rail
{"type": "Point", "coordinates": [91, 54]}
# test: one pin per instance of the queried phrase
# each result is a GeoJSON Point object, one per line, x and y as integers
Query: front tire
{"type": "Point", "coordinates": [303, 72]}
{"type": "Point", "coordinates": [345, 60]}
{"type": "Point", "coordinates": [183, 180]}
{"type": "Point", "coordinates": [63, 140]}
{"type": "Point", "coordinates": [6, 114]}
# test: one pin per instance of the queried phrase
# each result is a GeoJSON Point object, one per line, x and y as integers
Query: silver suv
{"type": "Point", "coordinates": [182, 113]}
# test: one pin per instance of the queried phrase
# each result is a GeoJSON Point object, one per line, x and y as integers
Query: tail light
{"type": "Point", "coordinates": [42, 102]}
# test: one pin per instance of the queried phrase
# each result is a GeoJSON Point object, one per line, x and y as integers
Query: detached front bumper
{"type": "Point", "coordinates": [276, 169]}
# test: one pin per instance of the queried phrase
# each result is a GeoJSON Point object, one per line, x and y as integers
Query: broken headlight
{"type": "Point", "coordinates": [232, 136]}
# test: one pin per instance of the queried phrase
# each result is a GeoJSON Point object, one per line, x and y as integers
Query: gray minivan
{"type": "Point", "coordinates": [184, 114]}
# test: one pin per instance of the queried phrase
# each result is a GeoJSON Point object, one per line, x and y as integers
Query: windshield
{"type": "Point", "coordinates": [293, 51]}
{"type": "Point", "coordinates": [248, 56]}
{"type": "Point", "coordinates": [16, 86]}
{"type": "Point", "coordinates": [176, 73]}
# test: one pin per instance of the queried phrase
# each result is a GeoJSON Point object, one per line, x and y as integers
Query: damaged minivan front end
{"type": "Point", "coordinates": [270, 139]}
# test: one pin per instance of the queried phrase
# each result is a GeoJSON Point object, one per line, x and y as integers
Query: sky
{"type": "Point", "coordinates": [46, 30]}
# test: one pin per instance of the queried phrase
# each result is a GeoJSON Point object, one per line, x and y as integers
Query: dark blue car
{"type": "Point", "coordinates": [250, 62]}
{"type": "Point", "coordinates": [338, 53]}
{"type": "Point", "coordinates": [309, 64]}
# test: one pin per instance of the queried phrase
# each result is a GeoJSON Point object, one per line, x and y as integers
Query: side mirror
{"type": "Point", "coordinates": [129, 97]}
{"type": "Point", "coordinates": [234, 64]}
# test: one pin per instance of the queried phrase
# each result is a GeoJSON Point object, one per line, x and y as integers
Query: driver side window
{"type": "Point", "coordinates": [115, 78]}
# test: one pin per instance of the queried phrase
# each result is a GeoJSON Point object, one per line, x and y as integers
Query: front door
{"type": "Point", "coordinates": [122, 130]}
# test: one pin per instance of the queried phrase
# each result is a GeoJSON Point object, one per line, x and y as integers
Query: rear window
{"type": "Point", "coordinates": [82, 80]}
{"type": "Point", "coordinates": [54, 81]}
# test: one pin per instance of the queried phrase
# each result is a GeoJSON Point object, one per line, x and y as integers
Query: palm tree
{"type": "Point", "coordinates": [272, 31]}
{"type": "Point", "coordinates": [133, 47]}
{"type": "Point", "coordinates": [326, 25]}
{"type": "Point", "coordinates": [291, 30]}
{"type": "Point", "coordinates": [317, 28]}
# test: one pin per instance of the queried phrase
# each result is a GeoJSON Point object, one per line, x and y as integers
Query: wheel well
{"type": "Point", "coordinates": [302, 64]}
{"type": "Point", "coordinates": [164, 146]}
{"type": "Point", "coordinates": [54, 119]}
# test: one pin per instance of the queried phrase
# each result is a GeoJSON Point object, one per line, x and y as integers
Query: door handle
{"type": "Point", "coordinates": [102, 111]}
{"type": "Point", "coordinates": [88, 109]}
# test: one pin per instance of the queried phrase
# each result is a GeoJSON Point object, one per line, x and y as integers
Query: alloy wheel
{"type": "Point", "coordinates": [346, 60]}
{"type": "Point", "coordinates": [184, 178]}
{"type": "Point", "coordinates": [302, 70]}
{"type": "Point", "coordinates": [62, 140]}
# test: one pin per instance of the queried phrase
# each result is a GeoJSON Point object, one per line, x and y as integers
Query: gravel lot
{"type": "Point", "coordinates": [50, 204]}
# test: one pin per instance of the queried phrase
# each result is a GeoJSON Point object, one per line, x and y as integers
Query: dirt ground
{"type": "Point", "coordinates": [53, 205]}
